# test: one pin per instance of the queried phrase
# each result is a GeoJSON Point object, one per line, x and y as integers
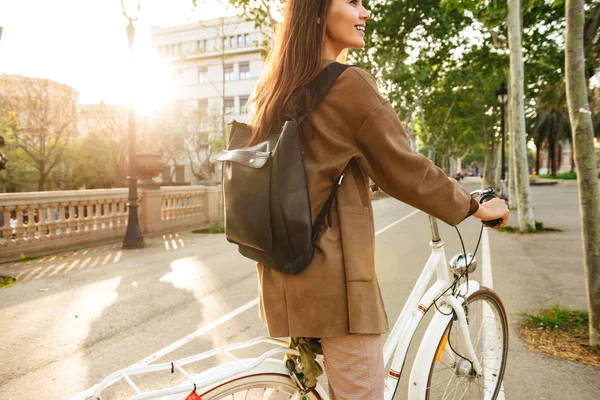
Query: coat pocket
{"type": "Point", "coordinates": [357, 243]}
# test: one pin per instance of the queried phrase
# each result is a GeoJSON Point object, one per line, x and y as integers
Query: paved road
{"type": "Point", "coordinates": [76, 317]}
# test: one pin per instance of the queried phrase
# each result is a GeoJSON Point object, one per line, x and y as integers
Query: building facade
{"type": "Point", "coordinates": [216, 66]}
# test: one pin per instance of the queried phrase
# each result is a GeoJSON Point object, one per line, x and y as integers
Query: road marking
{"type": "Point", "coordinates": [396, 223]}
{"type": "Point", "coordinates": [172, 347]}
{"type": "Point", "coordinates": [487, 280]}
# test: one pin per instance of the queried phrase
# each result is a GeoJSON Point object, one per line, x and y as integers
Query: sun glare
{"type": "Point", "coordinates": [152, 83]}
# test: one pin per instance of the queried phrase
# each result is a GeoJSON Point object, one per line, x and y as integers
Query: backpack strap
{"type": "Point", "coordinates": [318, 89]}
{"type": "Point", "coordinates": [319, 86]}
{"type": "Point", "coordinates": [326, 210]}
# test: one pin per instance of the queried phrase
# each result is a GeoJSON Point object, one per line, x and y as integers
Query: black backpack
{"type": "Point", "coordinates": [265, 192]}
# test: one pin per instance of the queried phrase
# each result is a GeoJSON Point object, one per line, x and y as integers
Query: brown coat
{"type": "Point", "coordinates": [356, 129]}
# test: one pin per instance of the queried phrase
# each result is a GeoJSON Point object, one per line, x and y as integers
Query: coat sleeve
{"type": "Point", "coordinates": [385, 154]}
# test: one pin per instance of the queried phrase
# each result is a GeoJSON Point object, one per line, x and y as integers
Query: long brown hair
{"type": "Point", "coordinates": [294, 60]}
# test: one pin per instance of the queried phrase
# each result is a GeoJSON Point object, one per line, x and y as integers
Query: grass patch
{"type": "Point", "coordinates": [214, 228]}
{"type": "Point", "coordinates": [6, 281]}
{"type": "Point", "coordinates": [567, 176]}
{"type": "Point", "coordinates": [559, 318]}
{"type": "Point", "coordinates": [539, 228]}
{"type": "Point", "coordinates": [562, 333]}
{"type": "Point", "coordinates": [26, 258]}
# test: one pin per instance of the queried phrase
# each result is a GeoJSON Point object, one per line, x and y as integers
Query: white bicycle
{"type": "Point", "coordinates": [462, 354]}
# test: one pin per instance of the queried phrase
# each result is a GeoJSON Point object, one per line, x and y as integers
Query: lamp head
{"type": "Point", "coordinates": [502, 93]}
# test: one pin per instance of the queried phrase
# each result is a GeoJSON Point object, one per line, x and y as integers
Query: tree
{"type": "Point", "coordinates": [551, 123]}
{"type": "Point", "coordinates": [16, 175]}
{"type": "Point", "coordinates": [108, 132]}
{"type": "Point", "coordinates": [585, 159]}
{"type": "Point", "coordinates": [202, 141]}
{"type": "Point", "coordinates": [42, 116]}
{"type": "Point", "coordinates": [171, 136]}
{"type": "Point", "coordinates": [516, 98]}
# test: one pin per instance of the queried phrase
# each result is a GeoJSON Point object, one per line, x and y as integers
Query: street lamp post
{"type": "Point", "coordinates": [133, 237]}
{"type": "Point", "coordinates": [502, 96]}
{"type": "Point", "coordinates": [3, 159]}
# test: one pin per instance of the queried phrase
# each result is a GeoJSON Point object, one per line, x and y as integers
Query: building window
{"type": "Point", "coordinates": [226, 42]}
{"type": "Point", "coordinates": [203, 75]}
{"type": "Point", "coordinates": [229, 105]}
{"type": "Point", "coordinates": [233, 42]}
{"type": "Point", "coordinates": [244, 70]}
{"type": "Point", "coordinates": [247, 40]}
{"type": "Point", "coordinates": [240, 40]}
{"type": "Point", "coordinates": [243, 102]}
{"type": "Point", "coordinates": [203, 108]}
{"type": "Point", "coordinates": [201, 45]}
{"type": "Point", "coordinates": [228, 72]}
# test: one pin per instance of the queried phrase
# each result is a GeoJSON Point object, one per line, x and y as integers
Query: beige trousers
{"type": "Point", "coordinates": [354, 367]}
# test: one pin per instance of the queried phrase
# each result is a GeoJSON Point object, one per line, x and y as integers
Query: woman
{"type": "Point", "coordinates": [353, 129]}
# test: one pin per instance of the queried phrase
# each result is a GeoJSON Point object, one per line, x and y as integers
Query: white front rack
{"type": "Point", "coordinates": [236, 367]}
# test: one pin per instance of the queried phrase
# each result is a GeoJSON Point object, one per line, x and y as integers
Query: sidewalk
{"type": "Point", "coordinates": [537, 271]}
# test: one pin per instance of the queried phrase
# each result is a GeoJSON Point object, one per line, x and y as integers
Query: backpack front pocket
{"type": "Point", "coordinates": [246, 192]}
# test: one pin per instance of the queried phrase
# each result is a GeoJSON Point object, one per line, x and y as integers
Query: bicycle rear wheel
{"type": "Point", "coordinates": [257, 387]}
{"type": "Point", "coordinates": [451, 375]}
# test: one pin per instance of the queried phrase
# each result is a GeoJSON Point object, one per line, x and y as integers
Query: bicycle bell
{"type": "Point", "coordinates": [458, 264]}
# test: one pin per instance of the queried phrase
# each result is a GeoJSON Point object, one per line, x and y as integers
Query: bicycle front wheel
{"type": "Point", "coordinates": [452, 375]}
{"type": "Point", "coordinates": [258, 387]}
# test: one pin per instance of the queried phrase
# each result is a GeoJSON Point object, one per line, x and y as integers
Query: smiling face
{"type": "Point", "coordinates": [345, 27]}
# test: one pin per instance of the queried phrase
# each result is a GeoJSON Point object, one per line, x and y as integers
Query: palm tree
{"type": "Point", "coordinates": [551, 123]}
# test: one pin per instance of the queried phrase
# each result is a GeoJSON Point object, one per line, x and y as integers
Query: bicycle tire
{"type": "Point", "coordinates": [453, 370]}
{"type": "Point", "coordinates": [256, 387]}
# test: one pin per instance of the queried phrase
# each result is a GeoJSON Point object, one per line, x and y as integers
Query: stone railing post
{"type": "Point", "coordinates": [150, 210]}
{"type": "Point", "coordinates": [212, 210]}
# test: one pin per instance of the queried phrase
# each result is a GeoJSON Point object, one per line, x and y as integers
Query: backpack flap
{"type": "Point", "coordinates": [246, 194]}
{"type": "Point", "coordinates": [247, 158]}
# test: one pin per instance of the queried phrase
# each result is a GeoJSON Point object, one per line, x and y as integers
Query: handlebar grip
{"type": "Point", "coordinates": [487, 196]}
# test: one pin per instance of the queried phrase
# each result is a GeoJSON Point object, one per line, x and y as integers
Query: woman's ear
{"type": "Point", "coordinates": [318, 20]}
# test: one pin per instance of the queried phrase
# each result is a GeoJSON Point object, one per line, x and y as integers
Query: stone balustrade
{"type": "Point", "coordinates": [37, 223]}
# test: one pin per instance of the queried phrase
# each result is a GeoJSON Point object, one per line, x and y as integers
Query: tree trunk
{"type": "Point", "coordinates": [512, 176]}
{"type": "Point", "coordinates": [516, 98]}
{"type": "Point", "coordinates": [488, 167]}
{"type": "Point", "coordinates": [585, 159]}
{"type": "Point", "coordinates": [538, 147]}
{"type": "Point", "coordinates": [552, 155]}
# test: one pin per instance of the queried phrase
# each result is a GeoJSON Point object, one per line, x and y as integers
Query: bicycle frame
{"type": "Point", "coordinates": [412, 313]}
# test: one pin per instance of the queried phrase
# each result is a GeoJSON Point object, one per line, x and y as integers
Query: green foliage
{"type": "Point", "coordinates": [558, 317]}
{"type": "Point", "coordinates": [567, 176]}
{"type": "Point", "coordinates": [19, 175]}
{"type": "Point", "coordinates": [6, 281]}
{"type": "Point", "coordinates": [26, 257]}
{"type": "Point", "coordinates": [539, 227]}
{"type": "Point", "coordinates": [215, 228]}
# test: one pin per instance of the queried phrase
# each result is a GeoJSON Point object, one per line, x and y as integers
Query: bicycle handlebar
{"type": "Point", "coordinates": [486, 195]}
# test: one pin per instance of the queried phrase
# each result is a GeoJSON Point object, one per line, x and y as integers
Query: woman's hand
{"type": "Point", "coordinates": [491, 210]}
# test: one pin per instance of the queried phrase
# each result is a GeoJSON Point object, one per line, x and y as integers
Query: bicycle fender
{"type": "Point", "coordinates": [269, 366]}
{"type": "Point", "coordinates": [419, 374]}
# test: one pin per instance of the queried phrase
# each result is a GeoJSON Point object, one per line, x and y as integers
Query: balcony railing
{"type": "Point", "coordinates": [36, 223]}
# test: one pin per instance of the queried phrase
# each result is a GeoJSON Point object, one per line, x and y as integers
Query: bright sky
{"type": "Point", "coordinates": [84, 43]}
